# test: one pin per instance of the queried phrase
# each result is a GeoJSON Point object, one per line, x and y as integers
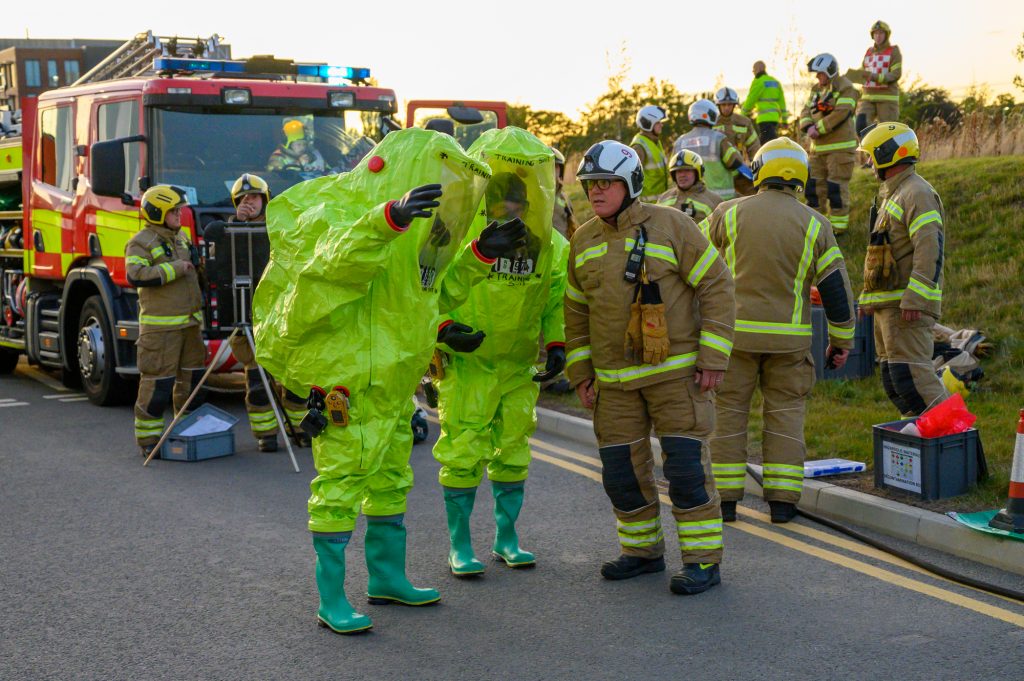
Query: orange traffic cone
{"type": "Point", "coordinates": [1011, 518]}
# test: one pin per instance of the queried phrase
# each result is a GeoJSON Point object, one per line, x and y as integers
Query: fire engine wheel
{"type": "Point", "coordinates": [96, 359]}
{"type": "Point", "coordinates": [8, 360]}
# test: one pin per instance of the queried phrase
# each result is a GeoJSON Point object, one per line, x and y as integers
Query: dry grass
{"type": "Point", "coordinates": [979, 134]}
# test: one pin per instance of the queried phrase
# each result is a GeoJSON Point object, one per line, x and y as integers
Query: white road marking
{"type": "Point", "coordinates": [13, 404]}
{"type": "Point", "coordinates": [74, 399]}
{"type": "Point", "coordinates": [61, 396]}
{"type": "Point", "coordinates": [8, 399]}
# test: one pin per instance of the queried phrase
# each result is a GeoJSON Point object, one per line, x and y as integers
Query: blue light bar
{"type": "Point", "coordinates": [206, 65]}
{"type": "Point", "coordinates": [331, 74]}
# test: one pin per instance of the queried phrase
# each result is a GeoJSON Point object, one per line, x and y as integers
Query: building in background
{"type": "Point", "coordinates": [32, 66]}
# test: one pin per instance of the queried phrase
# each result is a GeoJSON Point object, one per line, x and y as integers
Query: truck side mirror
{"type": "Point", "coordinates": [466, 115]}
{"type": "Point", "coordinates": [108, 168]}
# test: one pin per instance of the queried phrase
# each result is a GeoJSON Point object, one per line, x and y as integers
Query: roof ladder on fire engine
{"type": "Point", "coordinates": [135, 57]}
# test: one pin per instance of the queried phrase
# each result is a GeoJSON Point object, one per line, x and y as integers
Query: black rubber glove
{"type": "Point", "coordinates": [460, 337]}
{"type": "Point", "coordinates": [416, 203]}
{"type": "Point", "coordinates": [555, 365]}
{"type": "Point", "coordinates": [497, 239]}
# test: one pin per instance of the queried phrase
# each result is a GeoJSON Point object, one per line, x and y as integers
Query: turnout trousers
{"type": "Point", "coordinates": [828, 189]}
{"type": "Point", "coordinates": [785, 380]}
{"type": "Point", "coordinates": [257, 401]}
{"type": "Point", "coordinates": [171, 363]}
{"type": "Point", "coordinates": [682, 417]}
{"type": "Point", "coordinates": [904, 352]}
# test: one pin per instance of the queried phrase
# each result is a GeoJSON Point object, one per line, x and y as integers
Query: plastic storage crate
{"type": "Point", "coordinates": [182, 447]}
{"type": "Point", "coordinates": [929, 468]}
{"type": "Point", "coordinates": [861, 362]}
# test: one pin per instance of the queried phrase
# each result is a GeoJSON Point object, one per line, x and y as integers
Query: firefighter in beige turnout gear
{"type": "Point", "coordinates": [740, 130]}
{"type": "Point", "coordinates": [637, 360]}
{"type": "Point", "coordinates": [647, 145]}
{"type": "Point", "coordinates": [879, 77]}
{"type": "Point", "coordinates": [827, 119]}
{"type": "Point", "coordinates": [161, 264]}
{"type": "Point", "coordinates": [250, 195]}
{"type": "Point", "coordinates": [903, 270]}
{"type": "Point", "coordinates": [773, 324]}
{"type": "Point", "coordinates": [689, 194]}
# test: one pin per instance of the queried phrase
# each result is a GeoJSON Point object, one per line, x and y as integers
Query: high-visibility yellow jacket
{"type": "Point", "coordinates": [698, 201]}
{"type": "Point", "coordinates": [777, 248]}
{"type": "Point", "coordinates": [157, 261]}
{"type": "Point", "coordinates": [695, 286]}
{"type": "Point", "coordinates": [767, 98]}
{"type": "Point", "coordinates": [830, 109]}
{"type": "Point", "coordinates": [655, 166]}
{"type": "Point", "coordinates": [741, 132]}
{"type": "Point", "coordinates": [911, 212]}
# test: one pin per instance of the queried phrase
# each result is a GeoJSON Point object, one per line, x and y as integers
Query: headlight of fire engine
{"type": "Point", "coordinates": [341, 100]}
{"type": "Point", "coordinates": [236, 96]}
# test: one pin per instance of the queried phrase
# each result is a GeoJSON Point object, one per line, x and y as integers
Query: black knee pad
{"type": "Point", "coordinates": [254, 386]}
{"type": "Point", "coordinates": [811, 192]}
{"type": "Point", "coordinates": [163, 391]}
{"type": "Point", "coordinates": [903, 384]}
{"type": "Point", "coordinates": [860, 123]}
{"type": "Point", "coordinates": [194, 379]}
{"type": "Point", "coordinates": [684, 472]}
{"type": "Point", "coordinates": [890, 389]}
{"type": "Point", "coordinates": [619, 478]}
{"type": "Point", "coordinates": [835, 196]}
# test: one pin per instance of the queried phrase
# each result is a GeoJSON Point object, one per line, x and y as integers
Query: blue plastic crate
{"type": "Point", "coordinates": [860, 364]}
{"type": "Point", "coordinates": [179, 447]}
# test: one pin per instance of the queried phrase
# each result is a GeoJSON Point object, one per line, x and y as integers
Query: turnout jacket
{"type": "Point", "coordinates": [880, 73]}
{"type": "Point", "coordinates": [741, 132]}
{"type": "Point", "coordinates": [698, 201]}
{"type": "Point", "coordinates": [695, 285]}
{"type": "Point", "coordinates": [911, 212]}
{"type": "Point", "coordinates": [169, 296]}
{"type": "Point", "coordinates": [830, 109]}
{"type": "Point", "coordinates": [777, 248]}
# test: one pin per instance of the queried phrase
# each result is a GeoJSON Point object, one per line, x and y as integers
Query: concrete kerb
{"type": "Point", "coordinates": [888, 517]}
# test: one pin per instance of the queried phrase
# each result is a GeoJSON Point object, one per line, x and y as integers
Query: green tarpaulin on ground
{"type": "Point", "coordinates": [979, 521]}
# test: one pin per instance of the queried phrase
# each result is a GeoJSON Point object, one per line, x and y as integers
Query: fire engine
{"type": "Point", "coordinates": [149, 115]}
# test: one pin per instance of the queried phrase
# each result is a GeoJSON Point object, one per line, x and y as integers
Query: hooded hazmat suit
{"type": "Point", "coordinates": [488, 398]}
{"type": "Point", "coordinates": [348, 299]}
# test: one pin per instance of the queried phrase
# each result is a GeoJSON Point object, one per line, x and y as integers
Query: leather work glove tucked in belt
{"type": "Point", "coordinates": [647, 332]}
{"type": "Point", "coordinates": [879, 265]}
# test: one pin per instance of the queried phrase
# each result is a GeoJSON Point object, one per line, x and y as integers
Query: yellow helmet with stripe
{"type": "Point", "coordinates": [159, 200]}
{"type": "Point", "coordinates": [890, 144]}
{"type": "Point", "coordinates": [250, 184]}
{"type": "Point", "coordinates": [686, 160]}
{"type": "Point", "coordinates": [780, 161]}
{"type": "Point", "coordinates": [293, 132]}
{"type": "Point", "coordinates": [880, 26]}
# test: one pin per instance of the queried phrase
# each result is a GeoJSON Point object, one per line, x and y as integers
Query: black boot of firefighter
{"type": "Point", "coordinates": [695, 578]}
{"type": "Point", "coordinates": [782, 511]}
{"type": "Point", "coordinates": [729, 511]}
{"type": "Point", "coordinates": [627, 567]}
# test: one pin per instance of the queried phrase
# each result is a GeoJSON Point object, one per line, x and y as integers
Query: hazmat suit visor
{"type": "Point", "coordinates": [522, 186]}
{"type": "Point", "coordinates": [442, 234]}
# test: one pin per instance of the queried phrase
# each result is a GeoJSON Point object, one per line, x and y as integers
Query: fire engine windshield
{"type": "Point", "coordinates": [204, 151]}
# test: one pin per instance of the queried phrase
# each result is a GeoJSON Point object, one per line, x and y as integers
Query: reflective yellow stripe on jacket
{"type": "Point", "coordinates": [633, 373]}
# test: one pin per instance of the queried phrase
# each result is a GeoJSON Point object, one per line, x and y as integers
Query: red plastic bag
{"type": "Point", "coordinates": [946, 418]}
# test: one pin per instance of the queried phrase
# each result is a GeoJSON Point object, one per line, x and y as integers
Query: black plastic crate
{"type": "Point", "coordinates": [929, 468]}
{"type": "Point", "coordinates": [861, 362]}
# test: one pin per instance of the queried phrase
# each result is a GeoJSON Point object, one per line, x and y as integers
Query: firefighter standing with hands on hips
{"type": "Point", "coordinates": [827, 120]}
{"type": "Point", "coordinates": [649, 317]}
{"type": "Point", "coordinates": [772, 347]}
{"type": "Point", "coordinates": [903, 269]}
{"type": "Point", "coordinates": [250, 195]}
{"type": "Point", "coordinates": [161, 263]}
{"type": "Point", "coordinates": [689, 195]}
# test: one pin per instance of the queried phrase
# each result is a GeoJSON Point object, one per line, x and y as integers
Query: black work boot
{"type": "Point", "coordinates": [267, 443]}
{"type": "Point", "coordinates": [729, 511]}
{"type": "Point", "coordinates": [695, 578]}
{"type": "Point", "coordinates": [627, 567]}
{"type": "Point", "coordinates": [146, 450]}
{"type": "Point", "coordinates": [782, 511]}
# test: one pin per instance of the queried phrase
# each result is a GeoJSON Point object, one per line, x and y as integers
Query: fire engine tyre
{"type": "Point", "coordinates": [96, 357]}
{"type": "Point", "coordinates": [8, 360]}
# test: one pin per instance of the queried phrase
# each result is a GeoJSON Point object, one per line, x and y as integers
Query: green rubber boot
{"type": "Point", "coordinates": [508, 501]}
{"type": "Point", "coordinates": [335, 612]}
{"type": "Point", "coordinates": [458, 505]}
{"type": "Point", "coordinates": [385, 560]}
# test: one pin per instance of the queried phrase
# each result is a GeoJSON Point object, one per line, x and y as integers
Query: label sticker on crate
{"type": "Point", "coordinates": [901, 466]}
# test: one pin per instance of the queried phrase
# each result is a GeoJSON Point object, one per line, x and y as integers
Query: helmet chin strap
{"type": "Point", "coordinates": [626, 203]}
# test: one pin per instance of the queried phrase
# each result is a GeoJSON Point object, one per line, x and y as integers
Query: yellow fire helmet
{"type": "Point", "coordinates": [158, 200]}
{"type": "Point", "coordinates": [293, 131]}
{"type": "Point", "coordinates": [686, 160]}
{"type": "Point", "coordinates": [880, 25]}
{"type": "Point", "coordinates": [780, 161]}
{"type": "Point", "coordinates": [889, 144]}
{"type": "Point", "coordinates": [249, 184]}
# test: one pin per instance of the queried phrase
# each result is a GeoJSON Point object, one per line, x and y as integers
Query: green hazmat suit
{"type": "Point", "coordinates": [487, 398]}
{"type": "Point", "coordinates": [348, 299]}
